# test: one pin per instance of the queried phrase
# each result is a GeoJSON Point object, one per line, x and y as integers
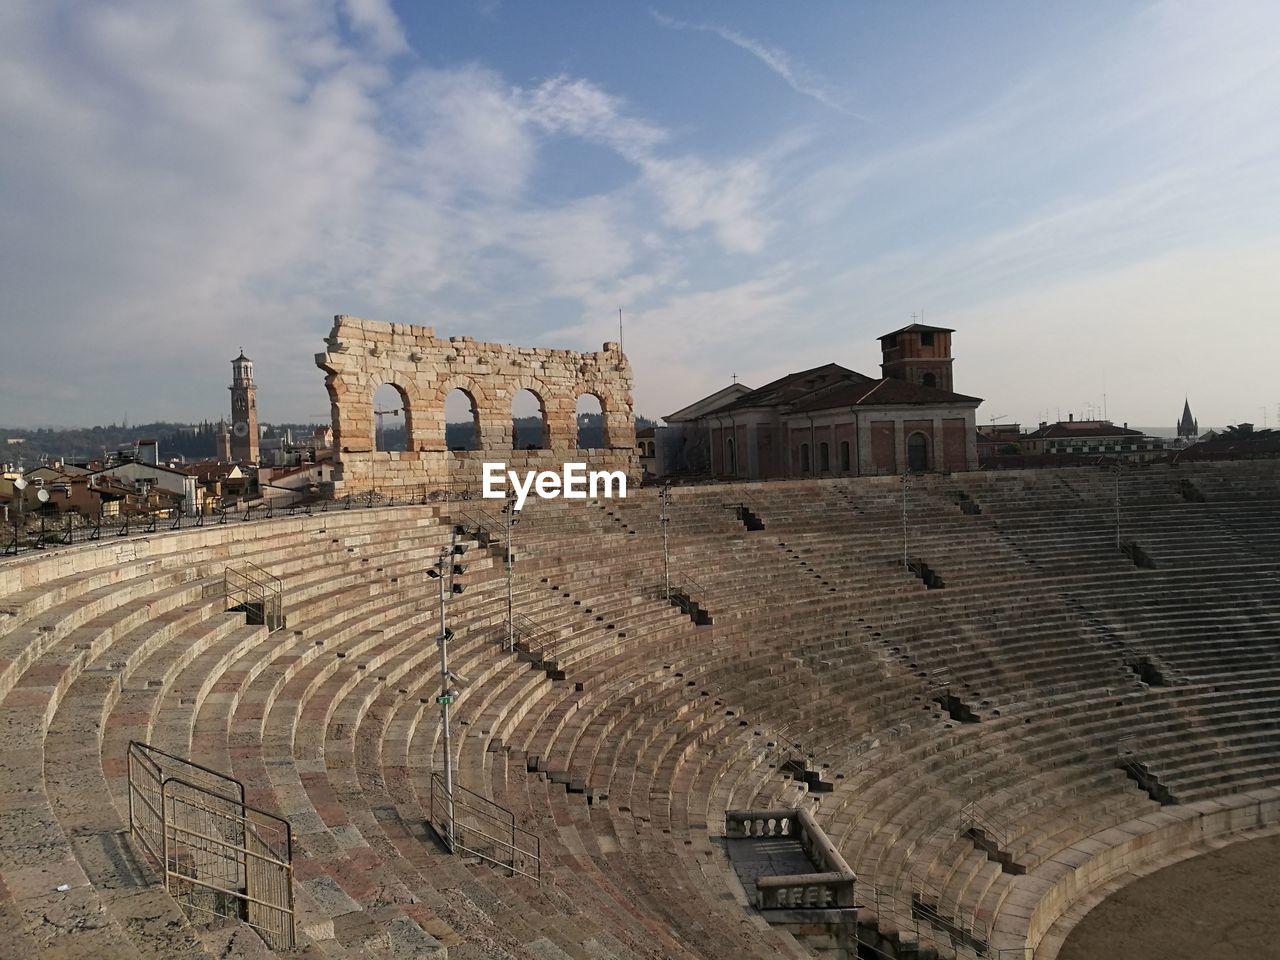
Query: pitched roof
{"type": "Point", "coordinates": [916, 328]}
{"type": "Point", "coordinates": [1081, 428]}
{"type": "Point", "coordinates": [709, 404]}
{"type": "Point", "coordinates": [887, 391]}
{"type": "Point", "coordinates": [795, 386]}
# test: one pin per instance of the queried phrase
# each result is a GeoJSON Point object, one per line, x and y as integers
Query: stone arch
{"type": "Point", "coordinates": [527, 402]}
{"type": "Point", "coordinates": [917, 452]}
{"type": "Point", "coordinates": [361, 354]}
{"type": "Point", "coordinates": [579, 413]}
{"type": "Point", "coordinates": [452, 395]}
{"type": "Point", "coordinates": [388, 421]}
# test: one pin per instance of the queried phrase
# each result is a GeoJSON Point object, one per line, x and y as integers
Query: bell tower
{"type": "Point", "coordinates": [244, 411]}
{"type": "Point", "coordinates": [919, 354]}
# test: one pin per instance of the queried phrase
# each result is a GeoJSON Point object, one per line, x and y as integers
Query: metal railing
{"type": "Point", "coordinates": [219, 856]}
{"type": "Point", "coordinates": [255, 591]}
{"type": "Point", "coordinates": [528, 636]}
{"type": "Point", "coordinates": [474, 825]}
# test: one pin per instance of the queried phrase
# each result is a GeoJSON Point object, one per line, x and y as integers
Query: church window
{"type": "Point", "coordinates": [926, 339]}
{"type": "Point", "coordinates": [824, 458]}
{"type": "Point", "coordinates": [929, 379]}
{"type": "Point", "coordinates": [844, 456]}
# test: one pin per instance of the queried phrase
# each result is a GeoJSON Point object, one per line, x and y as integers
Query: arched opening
{"type": "Point", "coordinates": [651, 448]}
{"type": "Point", "coordinates": [528, 421]}
{"type": "Point", "coordinates": [389, 418]}
{"type": "Point", "coordinates": [461, 421]}
{"type": "Point", "coordinates": [590, 417]}
{"type": "Point", "coordinates": [730, 457]}
{"type": "Point", "coordinates": [917, 452]}
{"type": "Point", "coordinates": [930, 379]}
{"type": "Point", "coordinates": [804, 459]}
{"type": "Point", "coordinates": [846, 462]}
{"type": "Point", "coordinates": [824, 458]}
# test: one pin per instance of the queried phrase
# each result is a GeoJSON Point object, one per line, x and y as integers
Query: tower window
{"type": "Point", "coordinates": [929, 379]}
{"type": "Point", "coordinates": [926, 339]}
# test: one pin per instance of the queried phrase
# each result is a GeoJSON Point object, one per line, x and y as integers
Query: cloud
{"type": "Point", "coordinates": [797, 76]}
{"type": "Point", "coordinates": [182, 181]}
{"type": "Point", "coordinates": [378, 22]}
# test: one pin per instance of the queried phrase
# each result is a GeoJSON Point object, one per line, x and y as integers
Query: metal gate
{"type": "Point", "coordinates": [219, 856]}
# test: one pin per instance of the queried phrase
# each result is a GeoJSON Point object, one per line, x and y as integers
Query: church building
{"type": "Point", "coordinates": [831, 421]}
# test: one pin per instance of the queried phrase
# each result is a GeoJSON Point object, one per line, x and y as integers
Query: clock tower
{"type": "Point", "coordinates": [244, 411]}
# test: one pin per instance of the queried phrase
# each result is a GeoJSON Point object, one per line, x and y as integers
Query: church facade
{"type": "Point", "coordinates": [831, 421]}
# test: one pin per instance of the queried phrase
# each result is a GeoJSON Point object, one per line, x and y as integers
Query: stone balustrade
{"type": "Point", "coordinates": [830, 887]}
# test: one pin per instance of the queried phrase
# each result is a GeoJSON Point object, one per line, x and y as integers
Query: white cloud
{"type": "Point", "coordinates": [184, 180]}
{"type": "Point", "coordinates": [376, 20]}
{"type": "Point", "coordinates": [794, 74]}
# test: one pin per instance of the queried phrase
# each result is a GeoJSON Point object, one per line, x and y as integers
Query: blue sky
{"type": "Point", "coordinates": [1088, 192]}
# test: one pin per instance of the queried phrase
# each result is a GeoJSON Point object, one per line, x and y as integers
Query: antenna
{"type": "Point", "coordinates": [620, 330]}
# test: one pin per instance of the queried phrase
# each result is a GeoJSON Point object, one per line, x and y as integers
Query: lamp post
{"type": "Point", "coordinates": [445, 569]}
{"type": "Point", "coordinates": [665, 520]}
{"type": "Point", "coordinates": [511, 511]}
{"type": "Point", "coordinates": [906, 483]}
{"type": "Point", "coordinates": [1116, 470]}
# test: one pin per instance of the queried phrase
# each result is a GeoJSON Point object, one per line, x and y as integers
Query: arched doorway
{"type": "Point", "coordinates": [462, 421]}
{"type": "Point", "coordinates": [592, 429]}
{"type": "Point", "coordinates": [528, 421]}
{"type": "Point", "coordinates": [917, 453]}
{"type": "Point", "coordinates": [390, 411]}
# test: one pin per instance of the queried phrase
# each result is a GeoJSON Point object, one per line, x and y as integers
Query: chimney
{"type": "Point", "coordinates": [1071, 417]}
{"type": "Point", "coordinates": [149, 452]}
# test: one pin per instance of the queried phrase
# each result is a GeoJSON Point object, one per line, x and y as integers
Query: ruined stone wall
{"type": "Point", "coordinates": [362, 355]}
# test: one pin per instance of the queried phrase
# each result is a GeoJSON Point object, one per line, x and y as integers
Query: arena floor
{"type": "Point", "coordinates": [1224, 905]}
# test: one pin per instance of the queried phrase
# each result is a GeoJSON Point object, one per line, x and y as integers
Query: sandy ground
{"type": "Point", "coordinates": [1224, 905]}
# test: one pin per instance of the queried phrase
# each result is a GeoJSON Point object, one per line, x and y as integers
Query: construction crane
{"type": "Point", "coordinates": [380, 414]}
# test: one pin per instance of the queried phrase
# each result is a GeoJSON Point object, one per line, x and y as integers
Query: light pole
{"type": "Point", "coordinates": [906, 482]}
{"type": "Point", "coordinates": [445, 569]}
{"type": "Point", "coordinates": [511, 510]}
{"type": "Point", "coordinates": [665, 520]}
{"type": "Point", "coordinates": [1116, 470]}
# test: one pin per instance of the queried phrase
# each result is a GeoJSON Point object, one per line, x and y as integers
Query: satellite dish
{"type": "Point", "coordinates": [42, 495]}
{"type": "Point", "coordinates": [20, 483]}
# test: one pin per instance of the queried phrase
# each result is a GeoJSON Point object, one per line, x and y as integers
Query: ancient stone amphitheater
{"type": "Point", "coordinates": [993, 737]}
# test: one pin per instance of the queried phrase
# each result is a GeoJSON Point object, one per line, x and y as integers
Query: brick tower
{"type": "Point", "coordinates": [918, 354]}
{"type": "Point", "coordinates": [244, 411]}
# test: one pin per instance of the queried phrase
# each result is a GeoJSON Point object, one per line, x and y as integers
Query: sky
{"type": "Point", "coordinates": [1087, 192]}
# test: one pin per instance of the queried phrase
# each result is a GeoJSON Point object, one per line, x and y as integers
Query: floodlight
{"type": "Point", "coordinates": [458, 588]}
{"type": "Point", "coordinates": [459, 569]}
{"type": "Point", "coordinates": [459, 530]}
{"type": "Point", "coordinates": [448, 635]}
{"type": "Point", "coordinates": [433, 573]}
{"type": "Point", "coordinates": [459, 549]}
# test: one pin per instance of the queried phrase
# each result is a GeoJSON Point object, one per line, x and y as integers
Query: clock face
{"type": "Point", "coordinates": [240, 428]}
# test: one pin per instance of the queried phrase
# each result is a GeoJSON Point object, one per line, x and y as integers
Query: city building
{"type": "Point", "coordinates": [833, 421]}
{"type": "Point", "coordinates": [1072, 437]}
